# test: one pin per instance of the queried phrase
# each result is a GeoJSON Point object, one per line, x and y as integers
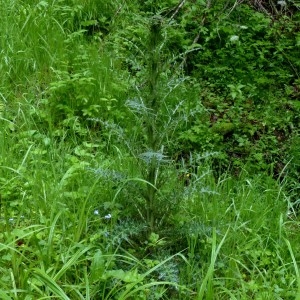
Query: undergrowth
{"type": "Point", "coordinates": [118, 181]}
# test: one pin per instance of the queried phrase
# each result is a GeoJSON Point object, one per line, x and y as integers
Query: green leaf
{"type": "Point", "coordinates": [4, 296]}
{"type": "Point", "coordinates": [50, 284]}
{"type": "Point", "coordinates": [72, 261]}
{"type": "Point", "coordinates": [129, 276]}
{"type": "Point", "coordinates": [89, 23]}
{"type": "Point", "coordinates": [97, 266]}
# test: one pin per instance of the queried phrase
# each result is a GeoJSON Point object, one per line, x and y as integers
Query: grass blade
{"type": "Point", "coordinates": [50, 284]}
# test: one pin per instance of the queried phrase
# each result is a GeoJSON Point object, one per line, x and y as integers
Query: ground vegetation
{"type": "Point", "coordinates": [149, 149]}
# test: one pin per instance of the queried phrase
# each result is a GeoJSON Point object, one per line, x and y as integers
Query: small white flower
{"type": "Point", "coordinates": [107, 217]}
{"type": "Point", "coordinates": [234, 38]}
{"type": "Point", "coordinates": [96, 212]}
{"type": "Point", "coordinates": [243, 27]}
{"type": "Point", "coordinates": [11, 219]}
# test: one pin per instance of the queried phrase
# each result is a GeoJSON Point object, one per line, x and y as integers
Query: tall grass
{"type": "Point", "coordinates": [232, 232]}
{"type": "Point", "coordinates": [71, 223]}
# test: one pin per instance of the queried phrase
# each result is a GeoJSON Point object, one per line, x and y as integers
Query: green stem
{"type": "Point", "coordinates": [151, 125]}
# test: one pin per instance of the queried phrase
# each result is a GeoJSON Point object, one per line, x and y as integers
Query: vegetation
{"type": "Point", "coordinates": [149, 149]}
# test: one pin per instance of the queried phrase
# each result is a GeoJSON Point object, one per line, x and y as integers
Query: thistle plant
{"type": "Point", "coordinates": [153, 119]}
{"type": "Point", "coordinates": [153, 103]}
{"type": "Point", "coordinates": [153, 114]}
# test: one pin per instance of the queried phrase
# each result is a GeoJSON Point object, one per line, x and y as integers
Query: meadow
{"type": "Point", "coordinates": [134, 164]}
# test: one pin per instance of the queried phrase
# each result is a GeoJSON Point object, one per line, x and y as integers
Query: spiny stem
{"type": "Point", "coordinates": [153, 101]}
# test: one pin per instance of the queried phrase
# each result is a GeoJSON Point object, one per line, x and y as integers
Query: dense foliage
{"type": "Point", "coordinates": [149, 149]}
